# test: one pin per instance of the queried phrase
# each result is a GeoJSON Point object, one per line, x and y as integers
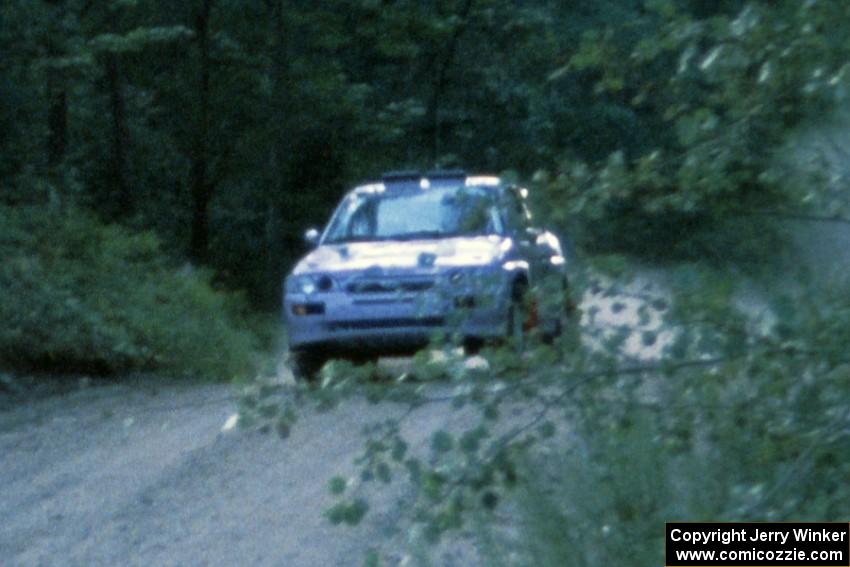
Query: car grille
{"type": "Point", "coordinates": [356, 324]}
{"type": "Point", "coordinates": [370, 286]}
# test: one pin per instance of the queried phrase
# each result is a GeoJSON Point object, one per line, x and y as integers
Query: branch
{"type": "Point", "coordinates": [791, 476]}
{"type": "Point", "coordinates": [792, 216]}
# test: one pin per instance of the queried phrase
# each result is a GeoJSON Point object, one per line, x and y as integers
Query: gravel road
{"type": "Point", "coordinates": [142, 474]}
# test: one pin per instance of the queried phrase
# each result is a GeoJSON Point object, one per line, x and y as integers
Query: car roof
{"type": "Point", "coordinates": [405, 180]}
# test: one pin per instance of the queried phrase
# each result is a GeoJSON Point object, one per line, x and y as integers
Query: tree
{"type": "Point", "coordinates": [718, 97]}
{"type": "Point", "coordinates": [716, 93]}
{"type": "Point", "coordinates": [57, 95]}
{"type": "Point", "coordinates": [202, 188]}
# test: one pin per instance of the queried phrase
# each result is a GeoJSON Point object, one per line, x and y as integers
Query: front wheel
{"type": "Point", "coordinates": [518, 316]}
{"type": "Point", "coordinates": [305, 365]}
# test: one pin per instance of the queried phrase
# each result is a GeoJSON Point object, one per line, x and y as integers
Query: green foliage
{"type": "Point", "coordinates": [82, 296]}
{"type": "Point", "coordinates": [138, 39]}
{"type": "Point", "coordinates": [718, 97]}
{"type": "Point", "coordinates": [349, 513]}
{"type": "Point", "coordinates": [373, 559]}
{"type": "Point", "coordinates": [337, 485]}
{"type": "Point", "coordinates": [747, 433]}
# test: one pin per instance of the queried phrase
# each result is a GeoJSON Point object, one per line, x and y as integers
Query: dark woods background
{"type": "Point", "coordinates": [228, 127]}
{"type": "Point", "coordinates": [160, 160]}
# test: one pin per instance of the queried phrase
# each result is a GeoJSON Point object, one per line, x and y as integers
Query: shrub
{"type": "Point", "coordinates": [752, 435]}
{"type": "Point", "coordinates": [78, 295]}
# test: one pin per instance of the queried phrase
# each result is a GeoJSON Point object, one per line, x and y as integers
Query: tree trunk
{"type": "Point", "coordinates": [120, 136]}
{"type": "Point", "coordinates": [57, 122]}
{"type": "Point", "coordinates": [281, 147]}
{"type": "Point", "coordinates": [57, 98]}
{"type": "Point", "coordinates": [442, 65]}
{"type": "Point", "coordinates": [201, 187]}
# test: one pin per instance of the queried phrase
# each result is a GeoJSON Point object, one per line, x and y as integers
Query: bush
{"type": "Point", "coordinates": [78, 295]}
{"type": "Point", "coordinates": [755, 434]}
{"type": "Point", "coordinates": [714, 457]}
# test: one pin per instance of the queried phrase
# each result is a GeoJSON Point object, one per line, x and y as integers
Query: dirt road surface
{"type": "Point", "coordinates": [142, 474]}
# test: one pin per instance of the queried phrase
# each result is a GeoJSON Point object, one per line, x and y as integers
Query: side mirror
{"type": "Point", "coordinates": [312, 236]}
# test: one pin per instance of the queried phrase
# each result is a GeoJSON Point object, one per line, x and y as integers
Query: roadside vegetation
{"type": "Point", "coordinates": [83, 297]}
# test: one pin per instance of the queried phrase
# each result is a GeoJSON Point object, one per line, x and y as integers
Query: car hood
{"type": "Point", "coordinates": [457, 252]}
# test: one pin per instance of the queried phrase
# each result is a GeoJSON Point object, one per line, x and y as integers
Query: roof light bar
{"type": "Point", "coordinates": [413, 178]}
{"type": "Point", "coordinates": [488, 180]}
{"type": "Point", "coordinates": [370, 188]}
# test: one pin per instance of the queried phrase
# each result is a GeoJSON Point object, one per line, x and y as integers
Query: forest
{"type": "Point", "coordinates": [162, 160]}
{"type": "Point", "coordinates": [213, 133]}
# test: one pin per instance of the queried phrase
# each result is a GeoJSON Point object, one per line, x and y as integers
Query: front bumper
{"type": "Point", "coordinates": [397, 321]}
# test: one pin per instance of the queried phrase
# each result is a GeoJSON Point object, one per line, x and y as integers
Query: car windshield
{"type": "Point", "coordinates": [438, 212]}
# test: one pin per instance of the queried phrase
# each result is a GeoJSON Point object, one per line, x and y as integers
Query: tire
{"type": "Point", "coordinates": [472, 346]}
{"type": "Point", "coordinates": [515, 332]}
{"type": "Point", "coordinates": [566, 316]}
{"type": "Point", "coordinates": [570, 315]}
{"type": "Point", "coordinates": [306, 364]}
{"type": "Point", "coordinates": [362, 359]}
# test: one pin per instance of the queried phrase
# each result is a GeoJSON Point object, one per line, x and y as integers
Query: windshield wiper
{"type": "Point", "coordinates": [347, 239]}
{"type": "Point", "coordinates": [418, 235]}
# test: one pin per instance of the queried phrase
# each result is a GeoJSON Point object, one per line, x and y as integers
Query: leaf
{"type": "Point", "coordinates": [547, 430]}
{"type": "Point", "coordinates": [337, 485]}
{"type": "Point", "coordinates": [383, 473]}
{"type": "Point", "coordinates": [414, 469]}
{"type": "Point", "coordinates": [442, 442]}
{"type": "Point", "coordinates": [489, 500]}
{"type": "Point", "coordinates": [399, 450]}
{"type": "Point", "coordinates": [138, 39]}
{"type": "Point", "coordinates": [648, 338]}
{"type": "Point", "coordinates": [350, 513]}
{"type": "Point", "coordinates": [283, 428]}
{"type": "Point", "coordinates": [432, 485]}
{"type": "Point", "coordinates": [470, 441]}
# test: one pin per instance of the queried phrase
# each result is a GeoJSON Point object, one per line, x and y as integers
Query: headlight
{"type": "Point", "coordinates": [300, 284]}
{"type": "Point", "coordinates": [306, 285]}
{"type": "Point", "coordinates": [309, 285]}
